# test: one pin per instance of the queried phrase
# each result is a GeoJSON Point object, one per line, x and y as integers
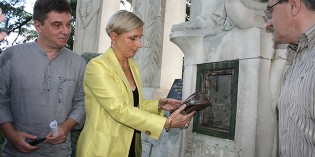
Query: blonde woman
{"type": "Point", "coordinates": [116, 112]}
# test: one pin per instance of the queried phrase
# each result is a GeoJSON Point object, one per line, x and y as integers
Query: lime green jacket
{"type": "Point", "coordinates": [110, 113]}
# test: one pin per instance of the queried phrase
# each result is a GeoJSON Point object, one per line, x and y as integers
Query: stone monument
{"type": "Point", "coordinates": [227, 30]}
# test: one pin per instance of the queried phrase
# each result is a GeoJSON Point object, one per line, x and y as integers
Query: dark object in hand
{"type": "Point", "coordinates": [194, 102]}
{"type": "Point", "coordinates": [37, 141]}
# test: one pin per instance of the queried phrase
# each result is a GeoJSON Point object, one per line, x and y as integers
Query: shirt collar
{"type": "Point", "coordinates": [43, 51]}
{"type": "Point", "coordinates": [304, 41]}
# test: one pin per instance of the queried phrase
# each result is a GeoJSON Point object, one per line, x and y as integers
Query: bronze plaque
{"type": "Point", "coordinates": [218, 81]}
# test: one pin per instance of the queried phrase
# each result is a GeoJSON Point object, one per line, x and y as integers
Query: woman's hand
{"type": "Point", "coordinates": [168, 103]}
{"type": "Point", "coordinates": [179, 120]}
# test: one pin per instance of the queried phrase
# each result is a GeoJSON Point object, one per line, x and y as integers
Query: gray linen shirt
{"type": "Point", "coordinates": [297, 99]}
{"type": "Point", "coordinates": [35, 91]}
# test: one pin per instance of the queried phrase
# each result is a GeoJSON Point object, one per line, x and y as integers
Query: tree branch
{"type": "Point", "coordinates": [19, 26]}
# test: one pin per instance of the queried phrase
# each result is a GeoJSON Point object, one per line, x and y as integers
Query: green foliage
{"type": "Point", "coordinates": [188, 4]}
{"type": "Point", "coordinates": [18, 21]}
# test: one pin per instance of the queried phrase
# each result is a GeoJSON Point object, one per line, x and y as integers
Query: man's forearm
{"type": "Point", "coordinates": [68, 125]}
{"type": "Point", "coordinates": [7, 129]}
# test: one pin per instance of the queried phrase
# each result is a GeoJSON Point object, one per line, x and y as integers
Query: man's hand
{"type": "Point", "coordinates": [17, 138]}
{"type": "Point", "coordinates": [20, 144]}
{"type": "Point", "coordinates": [63, 130]}
{"type": "Point", "coordinates": [60, 138]}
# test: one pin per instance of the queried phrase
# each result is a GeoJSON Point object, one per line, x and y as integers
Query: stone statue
{"type": "Point", "coordinates": [217, 18]}
{"type": "Point", "coordinates": [246, 13]}
{"type": "Point", "coordinates": [86, 36]}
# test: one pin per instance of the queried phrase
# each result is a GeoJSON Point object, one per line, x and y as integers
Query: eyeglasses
{"type": "Point", "coordinates": [267, 11]}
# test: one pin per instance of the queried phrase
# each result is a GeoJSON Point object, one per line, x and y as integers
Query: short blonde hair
{"type": "Point", "coordinates": [123, 21]}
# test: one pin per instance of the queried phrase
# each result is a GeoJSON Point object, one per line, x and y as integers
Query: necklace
{"type": "Point", "coordinates": [125, 66]}
{"type": "Point", "coordinates": [125, 69]}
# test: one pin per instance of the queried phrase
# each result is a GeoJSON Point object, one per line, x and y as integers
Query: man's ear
{"type": "Point", "coordinates": [295, 6]}
{"type": "Point", "coordinates": [37, 25]}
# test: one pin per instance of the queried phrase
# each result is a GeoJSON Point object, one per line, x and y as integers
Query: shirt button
{"type": "Point", "coordinates": [148, 132]}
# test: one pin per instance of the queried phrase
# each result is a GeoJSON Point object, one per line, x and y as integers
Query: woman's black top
{"type": "Point", "coordinates": [136, 103]}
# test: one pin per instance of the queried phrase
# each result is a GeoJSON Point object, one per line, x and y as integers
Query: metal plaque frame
{"type": "Point", "coordinates": [219, 82]}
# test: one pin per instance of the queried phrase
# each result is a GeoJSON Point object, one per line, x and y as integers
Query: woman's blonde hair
{"type": "Point", "coordinates": [123, 21]}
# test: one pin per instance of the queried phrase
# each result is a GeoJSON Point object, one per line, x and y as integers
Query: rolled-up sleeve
{"type": "Point", "coordinates": [78, 113]}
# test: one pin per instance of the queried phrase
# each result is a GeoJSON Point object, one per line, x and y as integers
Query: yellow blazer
{"type": "Point", "coordinates": [110, 112]}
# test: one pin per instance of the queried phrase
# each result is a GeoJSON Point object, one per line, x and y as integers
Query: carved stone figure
{"type": "Point", "coordinates": [219, 16]}
{"type": "Point", "coordinates": [87, 24]}
{"type": "Point", "coordinates": [216, 19]}
{"type": "Point", "coordinates": [150, 55]}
